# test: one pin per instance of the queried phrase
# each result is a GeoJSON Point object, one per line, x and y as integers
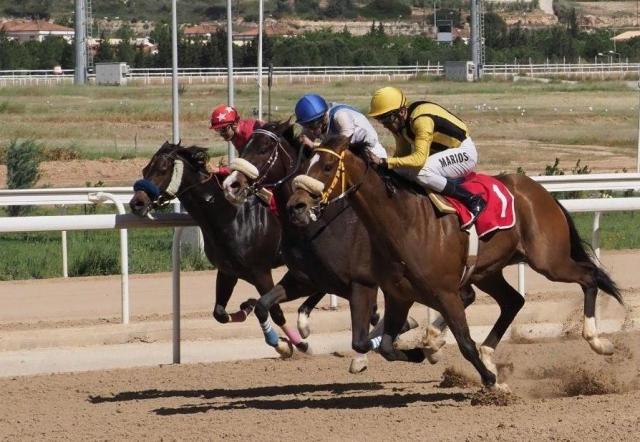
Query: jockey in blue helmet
{"type": "Point", "coordinates": [321, 119]}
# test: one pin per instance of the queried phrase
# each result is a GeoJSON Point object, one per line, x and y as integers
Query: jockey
{"type": "Point", "coordinates": [432, 145]}
{"type": "Point", "coordinates": [226, 121]}
{"type": "Point", "coordinates": [323, 119]}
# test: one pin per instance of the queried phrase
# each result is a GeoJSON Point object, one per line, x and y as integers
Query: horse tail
{"type": "Point", "coordinates": [581, 251]}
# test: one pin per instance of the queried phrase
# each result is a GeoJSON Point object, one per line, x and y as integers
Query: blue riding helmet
{"type": "Point", "coordinates": [310, 107]}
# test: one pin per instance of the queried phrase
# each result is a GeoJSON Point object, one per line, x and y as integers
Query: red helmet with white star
{"type": "Point", "coordinates": [223, 115]}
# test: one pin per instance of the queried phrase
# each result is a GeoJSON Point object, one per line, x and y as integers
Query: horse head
{"type": "Point", "coordinates": [325, 181]}
{"type": "Point", "coordinates": [267, 161]}
{"type": "Point", "coordinates": [172, 170]}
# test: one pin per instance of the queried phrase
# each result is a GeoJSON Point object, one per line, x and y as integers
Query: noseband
{"type": "Point", "coordinates": [160, 198]}
{"type": "Point", "coordinates": [339, 176]}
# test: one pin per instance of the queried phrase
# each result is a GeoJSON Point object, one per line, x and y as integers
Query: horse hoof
{"type": "Point", "coordinates": [503, 388]}
{"type": "Point", "coordinates": [358, 364]}
{"type": "Point", "coordinates": [303, 326]}
{"type": "Point", "coordinates": [432, 356]}
{"type": "Point", "coordinates": [303, 347]}
{"type": "Point", "coordinates": [220, 314]}
{"type": "Point", "coordinates": [601, 346]}
{"type": "Point", "coordinates": [284, 348]}
{"type": "Point", "coordinates": [248, 305]}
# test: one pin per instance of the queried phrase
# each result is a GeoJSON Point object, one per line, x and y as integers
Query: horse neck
{"type": "Point", "coordinates": [196, 200]}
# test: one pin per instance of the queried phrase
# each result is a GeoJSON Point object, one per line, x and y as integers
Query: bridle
{"type": "Point", "coordinates": [255, 186]}
{"type": "Point", "coordinates": [339, 176]}
{"type": "Point", "coordinates": [161, 197]}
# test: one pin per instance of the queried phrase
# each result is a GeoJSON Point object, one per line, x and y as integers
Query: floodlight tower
{"type": "Point", "coordinates": [477, 37]}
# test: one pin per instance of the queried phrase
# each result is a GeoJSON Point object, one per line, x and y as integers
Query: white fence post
{"type": "Point", "coordinates": [595, 234]}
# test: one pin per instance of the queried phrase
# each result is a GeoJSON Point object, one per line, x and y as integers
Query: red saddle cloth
{"type": "Point", "coordinates": [500, 211]}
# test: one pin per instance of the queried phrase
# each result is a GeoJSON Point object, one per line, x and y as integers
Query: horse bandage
{"type": "Point", "coordinates": [306, 183]}
{"type": "Point", "coordinates": [245, 167]}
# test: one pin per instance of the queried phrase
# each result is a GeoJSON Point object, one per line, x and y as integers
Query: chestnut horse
{"type": "Point", "coordinates": [427, 251]}
{"type": "Point", "coordinates": [243, 242]}
{"type": "Point", "coordinates": [332, 255]}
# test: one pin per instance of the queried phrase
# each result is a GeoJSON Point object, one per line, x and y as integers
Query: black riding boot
{"type": "Point", "coordinates": [472, 201]}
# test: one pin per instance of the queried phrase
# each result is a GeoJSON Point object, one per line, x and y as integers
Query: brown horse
{"type": "Point", "coordinates": [242, 241]}
{"type": "Point", "coordinates": [315, 255]}
{"type": "Point", "coordinates": [426, 251]}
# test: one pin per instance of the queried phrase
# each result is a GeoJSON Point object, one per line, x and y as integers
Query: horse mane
{"type": "Point", "coordinates": [197, 156]}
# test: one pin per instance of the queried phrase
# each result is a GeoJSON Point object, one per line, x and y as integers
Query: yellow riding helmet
{"type": "Point", "coordinates": [385, 100]}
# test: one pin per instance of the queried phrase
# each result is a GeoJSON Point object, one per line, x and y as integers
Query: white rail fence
{"type": "Point", "coordinates": [311, 74]}
{"type": "Point", "coordinates": [122, 221]}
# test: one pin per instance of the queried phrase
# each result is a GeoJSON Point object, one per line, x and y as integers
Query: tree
{"type": "Point", "coordinates": [105, 52]}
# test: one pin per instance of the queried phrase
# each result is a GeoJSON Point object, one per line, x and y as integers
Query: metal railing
{"type": "Point", "coordinates": [323, 73]}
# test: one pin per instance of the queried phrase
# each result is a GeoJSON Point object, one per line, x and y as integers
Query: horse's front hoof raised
{"type": "Point", "coordinates": [303, 326]}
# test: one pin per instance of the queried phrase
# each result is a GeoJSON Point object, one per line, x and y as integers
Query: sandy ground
{"type": "Point", "coordinates": [316, 399]}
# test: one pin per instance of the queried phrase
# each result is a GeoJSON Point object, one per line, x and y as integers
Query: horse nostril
{"type": "Point", "coordinates": [300, 207]}
{"type": "Point", "coordinates": [235, 185]}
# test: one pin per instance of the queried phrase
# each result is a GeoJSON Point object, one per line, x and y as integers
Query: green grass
{"type": "Point", "coordinates": [90, 117]}
{"type": "Point", "coordinates": [618, 230]}
{"type": "Point", "coordinates": [94, 252]}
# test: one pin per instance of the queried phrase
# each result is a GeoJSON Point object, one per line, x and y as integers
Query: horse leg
{"type": "Point", "coordinates": [510, 302]}
{"type": "Point", "coordinates": [305, 310]}
{"type": "Point", "coordinates": [586, 275]}
{"type": "Point", "coordinates": [452, 309]}
{"type": "Point", "coordinates": [433, 339]}
{"type": "Point", "coordinates": [362, 301]}
{"type": "Point", "coordinates": [395, 317]}
{"type": "Point", "coordinates": [287, 289]}
{"type": "Point", "coordinates": [225, 284]}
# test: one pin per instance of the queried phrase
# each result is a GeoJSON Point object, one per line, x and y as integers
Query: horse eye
{"type": "Point", "coordinates": [328, 167]}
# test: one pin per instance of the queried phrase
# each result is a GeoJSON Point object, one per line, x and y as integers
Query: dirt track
{"type": "Point", "coordinates": [316, 399]}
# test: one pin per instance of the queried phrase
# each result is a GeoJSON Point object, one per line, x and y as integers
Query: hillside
{"type": "Point", "coordinates": [400, 17]}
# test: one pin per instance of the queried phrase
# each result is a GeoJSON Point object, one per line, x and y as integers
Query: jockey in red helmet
{"type": "Point", "coordinates": [226, 121]}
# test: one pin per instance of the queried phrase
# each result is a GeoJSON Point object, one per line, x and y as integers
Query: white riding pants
{"type": "Point", "coordinates": [451, 163]}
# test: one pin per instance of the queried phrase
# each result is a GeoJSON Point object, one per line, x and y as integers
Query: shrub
{"type": "Point", "coordinates": [22, 159]}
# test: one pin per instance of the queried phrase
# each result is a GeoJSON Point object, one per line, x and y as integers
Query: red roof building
{"type": "Point", "coordinates": [38, 30]}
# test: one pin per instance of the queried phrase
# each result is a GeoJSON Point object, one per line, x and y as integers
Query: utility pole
{"type": "Point", "coordinates": [260, 20]}
{"type": "Point", "coordinates": [231, 151]}
{"type": "Point", "coordinates": [477, 37]}
{"type": "Point", "coordinates": [80, 74]}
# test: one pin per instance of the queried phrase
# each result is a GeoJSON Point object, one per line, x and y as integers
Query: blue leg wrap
{"type": "Point", "coordinates": [270, 335]}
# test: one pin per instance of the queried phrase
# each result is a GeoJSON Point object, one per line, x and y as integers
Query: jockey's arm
{"type": "Point", "coordinates": [347, 127]}
{"type": "Point", "coordinates": [423, 130]}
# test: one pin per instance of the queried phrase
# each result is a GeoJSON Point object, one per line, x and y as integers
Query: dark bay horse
{"type": "Point", "coordinates": [242, 241]}
{"type": "Point", "coordinates": [426, 251]}
{"type": "Point", "coordinates": [332, 255]}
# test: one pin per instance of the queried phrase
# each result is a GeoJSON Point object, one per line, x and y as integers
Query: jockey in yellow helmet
{"type": "Point", "coordinates": [432, 145]}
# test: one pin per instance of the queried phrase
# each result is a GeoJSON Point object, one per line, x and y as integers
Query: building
{"type": "Point", "coordinates": [35, 30]}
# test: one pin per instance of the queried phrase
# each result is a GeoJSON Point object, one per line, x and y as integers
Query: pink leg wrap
{"type": "Point", "coordinates": [292, 334]}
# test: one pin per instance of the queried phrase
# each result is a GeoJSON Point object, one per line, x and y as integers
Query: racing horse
{"type": "Point", "coordinates": [242, 241]}
{"type": "Point", "coordinates": [427, 251]}
{"type": "Point", "coordinates": [332, 255]}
